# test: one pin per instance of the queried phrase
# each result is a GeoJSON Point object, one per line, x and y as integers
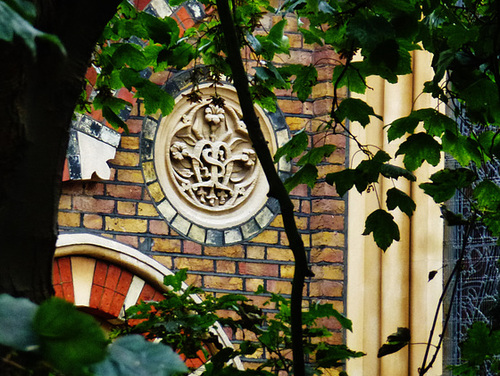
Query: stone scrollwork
{"type": "Point", "coordinates": [201, 170]}
{"type": "Point", "coordinates": [211, 158]}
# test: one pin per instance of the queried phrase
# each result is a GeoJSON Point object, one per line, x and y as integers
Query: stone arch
{"type": "Point", "coordinates": [104, 278]}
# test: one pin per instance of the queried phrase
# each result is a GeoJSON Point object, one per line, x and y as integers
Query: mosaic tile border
{"type": "Point", "coordinates": [205, 234]}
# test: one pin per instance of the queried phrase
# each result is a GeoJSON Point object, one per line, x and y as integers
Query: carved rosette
{"type": "Point", "coordinates": [201, 171]}
{"type": "Point", "coordinates": [211, 159]}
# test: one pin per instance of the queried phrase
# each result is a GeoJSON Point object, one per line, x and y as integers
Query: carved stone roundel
{"type": "Point", "coordinates": [202, 171]}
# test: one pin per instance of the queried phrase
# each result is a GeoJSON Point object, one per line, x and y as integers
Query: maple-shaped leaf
{"type": "Point", "coordinates": [418, 148]}
{"type": "Point", "coordinates": [355, 110]}
{"type": "Point", "coordinates": [383, 227]}
{"type": "Point", "coordinates": [446, 182]}
{"type": "Point", "coordinates": [395, 342]}
{"type": "Point", "coordinates": [399, 199]}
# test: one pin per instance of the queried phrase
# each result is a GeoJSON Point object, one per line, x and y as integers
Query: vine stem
{"type": "Point", "coordinates": [276, 186]}
{"type": "Point", "coordinates": [454, 274]}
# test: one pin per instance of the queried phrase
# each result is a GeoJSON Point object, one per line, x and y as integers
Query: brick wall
{"type": "Point", "coordinates": [121, 208]}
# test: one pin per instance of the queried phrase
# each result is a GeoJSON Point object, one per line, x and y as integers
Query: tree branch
{"type": "Point", "coordinates": [276, 187]}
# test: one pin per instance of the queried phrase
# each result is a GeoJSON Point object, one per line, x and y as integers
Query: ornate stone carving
{"type": "Point", "coordinates": [211, 158]}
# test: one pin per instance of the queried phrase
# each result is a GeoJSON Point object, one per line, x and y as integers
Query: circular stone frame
{"type": "Point", "coordinates": [217, 227]}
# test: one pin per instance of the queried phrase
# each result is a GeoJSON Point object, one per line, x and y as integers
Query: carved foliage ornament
{"type": "Point", "coordinates": [211, 158]}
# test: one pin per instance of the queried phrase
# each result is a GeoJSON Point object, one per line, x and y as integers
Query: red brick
{"type": "Point", "coordinates": [56, 277]}
{"type": "Point", "coordinates": [147, 293]}
{"type": "Point", "coordinates": [327, 221]}
{"type": "Point", "coordinates": [328, 206]}
{"type": "Point", "coordinates": [68, 292]}
{"type": "Point", "coordinates": [95, 296]}
{"type": "Point", "coordinates": [107, 298]}
{"type": "Point", "coordinates": [112, 277]}
{"type": "Point", "coordinates": [158, 296]}
{"type": "Point", "coordinates": [93, 189]}
{"type": "Point", "coordinates": [330, 255]}
{"type": "Point", "coordinates": [325, 56]}
{"type": "Point", "coordinates": [158, 227]}
{"type": "Point", "coordinates": [324, 189]}
{"type": "Point", "coordinates": [300, 190]}
{"type": "Point", "coordinates": [130, 240]}
{"type": "Point", "coordinates": [134, 125]}
{"type": "Point", "coordinates": [290, 106]}
{"type": "Point", "coordinates": [326, 288]}
{"type": "Point", "coordinates": [116, 305]}
{"type": "Point", "coordinates": [191, 248]}
{"type": "Point", "coordinates": [65, 269]}
{"type": "Point", "coordinates": [92, 221]}
{"type": "Point", "coordinates": [58, 291]}
{"type": "Point", "coordinates": [72, 187]}
{"type": "Point", "coordinates": [267, 270]}
{"type": "Point", "coordinates": [185, 18]}
{"type": "Point", "coordinates": [90, 204]}
{"type": "Point", "coordinates": [101, 269]}
{"type": "Point", "coordinates": [124, 282]}
{"type": "Point", "coordinates": [339, 140]}
{"type": "Point", "coordinates": [124, 191]}
{"type": "Point", "coordinates": [141, 4]}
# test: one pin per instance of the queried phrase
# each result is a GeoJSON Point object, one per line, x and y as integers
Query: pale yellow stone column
{"type": "Point", "coordinates": [385, 291]}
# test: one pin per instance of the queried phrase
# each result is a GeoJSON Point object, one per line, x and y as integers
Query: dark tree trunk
{"type": "Point", "coordinates": [37, 100]}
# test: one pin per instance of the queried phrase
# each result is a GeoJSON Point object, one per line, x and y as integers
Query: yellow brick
{"type": "Point", "coordinates": [65, 202]}
{"type": "Point", "coordinates": [286, 271]}
{"type": "Point", "coordinates": [255, 252]}
{"type": "Point", "coordinates": [194, 264]}
{"type": "Point", "coordinates": [267, 237]}
{"type": "Point", "coordinates": [226, 283]}
{"type": "Point", "coordinates": [281, 287]}
{"type": "Point", "coordinates": [123, 158]}
{"type": "Point", "coordinates": [252, 284]}
{"type": "Point", "coordinates": [149, 171]}
{"type": "Point", "coordinates": [129, 142]}
{"type": "Point", "coordinates": [328, 272]}
{"type": "Point", "coordinates": [226, 266]}
{"type": "Point", "coordinates": [323, 89]}
{"type": "Point", "coordinates": [279, 254]}
{"type": "Point", "coordinates": [131, 176]}
{"type": "Point", "coordinates": [156, 192]}
{"type": "Point", "coordinates": [232, 251]}
{"type": "Point", "coordinates": [327, 169]}
{"type": "Point", "coordinates": [166, 245]}
{"type": "Point", "coordinates": [277, 222]}
{"type": "Point", "coordinates": [325, 288]}
{"type": "Point", "coordinates": [295, 40]}
{"type": "Point", "coordinates": [305, 239]}
{"type": "Point", "coordinates": [165, 261]}
{"type": "Point", "coordinates": [68, 219]}
{"type": "Point", "coordinates": [126, 224]}
{"type": "Point", "coordinates": [92, 221]}
{"type": "Point", "coordinates": [298, 123]}
{"type": "Point", "coordinates": [332, 239]}
{"type": "Point", "coordinates": [147, 210]}
{"type": "Point", "coordinates": [126, 207]}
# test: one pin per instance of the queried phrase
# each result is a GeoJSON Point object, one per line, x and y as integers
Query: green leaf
{"type": "Point", "coordinates": [329, 356]}
{"type": "Point", "coordinates": [344, 180]}
{"type": "Point", "coordinates": [487, 194]}
{"type": "Point", "coordinates": [176, 280]}
{"type": "Point", "coordinates": [399, 199]}
{"type": "Point", "coordinates": [395, 342]}
{"type": "Point", "coordinates": [355, 110]}
{"type": "Point", "coordinates": [306, 78]}
{"type": "Point", "coordinates": [350, 76]}
{"type": "Point", "coordinates": [16, 317]}
{"type": "Point", "coordinates": [69, 339]}
{"type": "Point", "coordinates": [311, 37]}
{"type": "Point", "coordinates": [462, 148]}
{"type": "Point", "coordinates": [316, 155]}
{"type": "Point", "coordinates": [398, 128]}
{"type": "Point", "coordinates": [436, 123]}
{"type": "Point", "coordinates": [446, 182]}
{"type": "Point", "coordinates": [307, 174]}
{"type": "Point", "coordinates": [383, 227]}
{"type": "Point", "coordinates": [114, 119]}
{"type": "Point", "coordinates": [164, 31]}
{"type": "Point", "coordinates": [133, 355]}
{"type": "Point", "coordinates": [394, 172]}
{"type": "Point", "coordinates": [293, 148]}
{"type": "Point", "coordinates": [481, 343]}
{"type": "Point", "coordinates": [418, 148]}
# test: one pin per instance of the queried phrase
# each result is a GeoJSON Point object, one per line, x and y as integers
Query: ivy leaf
{"type": "Point", "coordinates": [446, 182]}
{"type": "Point", "coordinates": [316, 155]}
{"type": "Point", "coordinates": [487, 194]}
{"type": "Point", "coordinates": [69, 339]}
{"type": "Point", "coordinates": [397, 198]}
{"type": "Point", "coordinates": [293, 148]}
{"type": "Point", "coordinates": [394, 172]}
{"type": "Point", "coordinates": [355, 110]}
{"type": "Point", "coordinates": [384, 229]}
{"type": "Point", "coordinates": [306, 175]}
{"type": "Point", "coordinates": [133, 355]}
{"type": "Point", "coordinates": [16, 317]}
{"type": "Point", "coordinates": [395, 342]}
{"type": "Point", "coordinates": [418, 148]}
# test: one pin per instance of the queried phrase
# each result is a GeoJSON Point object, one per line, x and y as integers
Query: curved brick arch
{"type": "Point", "coordinates": [105, 278]}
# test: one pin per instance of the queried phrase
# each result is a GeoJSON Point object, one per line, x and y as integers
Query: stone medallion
{"type": "Point", "coordinates": [201, 170]}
